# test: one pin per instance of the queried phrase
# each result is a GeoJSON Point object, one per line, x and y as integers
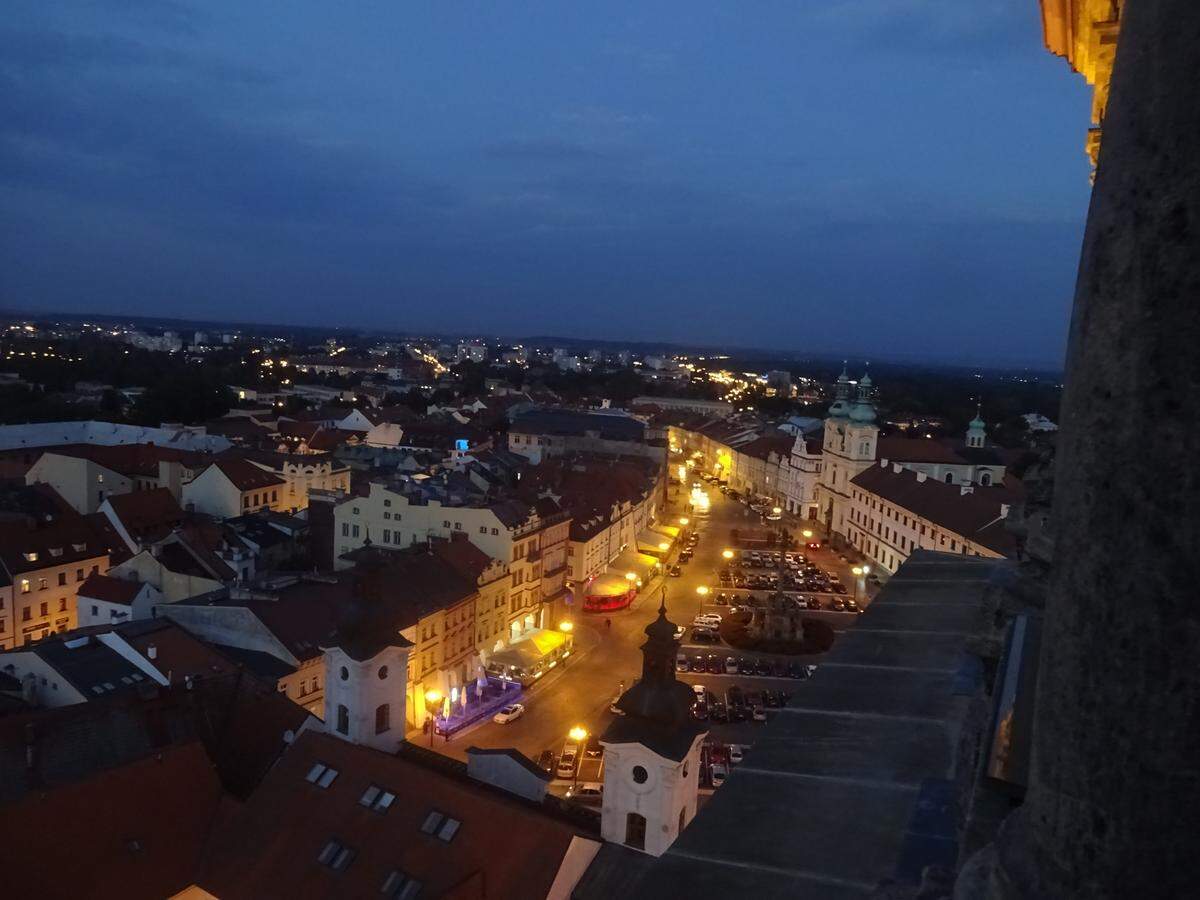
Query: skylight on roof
{"type": "Point", "coordinates": [377, 799]}
{"type": "Point", "coordinates": [336, 855]}
{"type": "Point", "coordinates": [321, 775]}
{"type": "Point", "coordinates": [440, 824]}
{"type": "Point", "coordinates": [400, 885]}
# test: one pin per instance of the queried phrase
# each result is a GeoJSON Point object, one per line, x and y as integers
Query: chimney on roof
{"type": "Point", "coordinates": [921, 476]}
{"type": "Point", "coordinates": [897, 468]}
{"type": "Point", "coordinates": [152, 652]}
{"type": "Point", "coordinates": [1004, 508]}
{"type": "Point", "coordinates": [883, 463]}
{"type": "Point", "coordinates": [964, 489]}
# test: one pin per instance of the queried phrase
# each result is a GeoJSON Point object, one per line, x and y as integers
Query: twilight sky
{"type": "Point", "coordinates": [878, 177]}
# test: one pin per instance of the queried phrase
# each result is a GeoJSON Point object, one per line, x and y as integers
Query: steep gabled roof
{"type": "Point", "coordinates": [502, 847]}
{"type": "Point", "coordinates": [246, 476]}
{"type": "Point", "coordinates": [147, 515]}
{"type": "Point", "coordinates": [110, 590]}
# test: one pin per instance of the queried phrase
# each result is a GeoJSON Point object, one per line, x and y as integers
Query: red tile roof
{"type": "Point", "coordinates": [505, 847]}
{"type": "Point", "coordinates": [130, 832]}
{"type": "Point", "coordinates": [147, 515]}
{"type": "Point", "coordinates": [65, 541]}
{"type": "Point", "coordinates": [110, 590]}
{"type": "Point", "coordinates": [246, 476]}
{"type": "Point", "coordinates": [132, 459]}
{"type": "Point", "coordinates": [975, 515]}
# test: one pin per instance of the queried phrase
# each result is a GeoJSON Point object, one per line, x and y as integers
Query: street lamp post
{"type": "Point", "coordinates": [701, 592]}
{"type": "Point", "coordinates": [578, 734]}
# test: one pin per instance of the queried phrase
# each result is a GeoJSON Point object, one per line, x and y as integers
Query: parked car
{"type": "Point", "coordinates": [717, 711]}
{"type": "Point", "coordinates": [780, 669]}
{"type": "Point", "coordinates": [731, 665]}
{"type": "Point", "coordinates": [675, 571]}
{"type": "Point", "coordinates": [837, 587]}
{"type": "Point", "coordinates": [699, 711]}
{"type": "Point", "coordinates": [679, 632]}
{"type": "Point", "coordinates": [592, 748]}
{"type": "Point", "coordinates": [566, 762]}
{"type": "Point", "coordinates": [718, 774]}
{"type": "Point", "coordinates": [837, 604]}
{"type": "Point", "coordinates": [763, 667]}
{"type": "Point", "coordinates": [700, 691]}
{"type": "Point", "coordinates": [758, 714]}
{"type": "Point", "coordinates": [735, 754]}
{"type": "Point", "coordinates": [546, 760]}
{"type": "Point", "coordinates": [591, 792]}
{"type": "Point", "coordinates": [704, 634]}
{"type": "Point", "coordinates": [509, 713]}
{"type": "Point", "coordinates": [769, 699]}
{"type": "Point", "coordinates": [713, 619]}
{"type": "Point", "coordinates": [685, 555]}
{"type": "Point", "coordinates": [745, 666]}
{"type": "Point", "coordinates": [851, 605]}
{"type": "Point", "coordinates": [795, 670]}
{"type": "Point", "coordinates": [682, 664]}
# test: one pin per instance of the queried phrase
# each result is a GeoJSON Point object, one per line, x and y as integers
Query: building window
{"type": "Point", "coordinates": [354, 531]}
{"type": "Point", "coordinates": [62, 604]}
{"type": "Point", "coordinates": [321, 775]}
{"type": "Point", "coordinates": [274, 496]}
{"type": "Point", "coordinates": [24, 585]}
{"type": "Point", "coordinates": [387, 535]}
{"type": "Point", "coordinates": [376, 798]}
{"type": "Point", "coordinates": [635, 831]}
{"type": "Point", "coordinates": [437, 823]}
{"type": "Point", "coordinates": [62, 578]}
{"type": "Point", "coordinates": [26, 614]}
{"type": "Point", "coordinates": [640, 774]}
{"type": "Point", "coordinates": [483, 529]}
{"type": "Point", "coordinates": [495, 531]}
{"type": "Point", "coordinates": [45, 607]}
{"type": "Point", "coordinates": [985, 479]}
{"type": "Point", "coordinates": [42, 585]}
{"type": "Point", "coordinates": [343, 719]}
{"type": "Point", "coordinates": [336, 856]}
{"type": "Point", "coordinates": [400, 885]}
{"type": "Point", "coordinates": [383, 721]}
{"type": "Point", "coordinates": [387, 502]}
{"type": "Point", "coordinates": [949, 478]}
{"type": "Point", "coordinates": [345, 529]}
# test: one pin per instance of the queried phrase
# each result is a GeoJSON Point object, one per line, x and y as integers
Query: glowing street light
{"type": "Point", "coordinates": [702, 591]}
{"type": "Point", "coordinates": [566, 626]}
{"type": "Point", "coordinates": [631, 576]}
{"type": "Point", "coordinates": [683, 520]}
{"type": "Point", "coordinates": [807, 532]}
{"type": "Point", "coordinates": [578, 734]}
{"type": "Point", "coordinates": [664, 546]}
{"type": "Point", "coordinates": [728, 554]}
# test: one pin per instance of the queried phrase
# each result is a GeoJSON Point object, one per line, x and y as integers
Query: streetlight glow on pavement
{"type": "Point", "coordinates": [728, 554]}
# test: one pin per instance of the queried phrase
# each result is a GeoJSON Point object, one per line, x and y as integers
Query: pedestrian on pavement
{"type": "Point", "coordinates": [608, 624]}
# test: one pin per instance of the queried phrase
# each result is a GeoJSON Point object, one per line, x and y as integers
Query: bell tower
{"type": "Point", "coordinates": [652, 752]}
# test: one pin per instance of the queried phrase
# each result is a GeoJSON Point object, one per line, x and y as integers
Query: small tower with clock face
{"type": "Point", "coordinates": [652, 752]}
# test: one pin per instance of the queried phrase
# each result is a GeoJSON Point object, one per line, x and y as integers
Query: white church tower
{"type": "Point", "coordinates": [652, 752]}
{"type": "Point", "coordinates": [366, 670]}
{"type": "Point", "coordinates": [849, 447]}
{"type": "Point", "coordinates": [977, 430]}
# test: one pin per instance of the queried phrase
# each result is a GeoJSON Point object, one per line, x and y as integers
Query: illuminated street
{"type": "Point", "coordinates": [579, 693]}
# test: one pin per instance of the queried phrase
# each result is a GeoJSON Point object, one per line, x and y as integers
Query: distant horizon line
{"type": "Point", "coordinates": [696, 349]}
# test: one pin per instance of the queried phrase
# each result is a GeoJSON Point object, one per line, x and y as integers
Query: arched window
{"type": "Point", "coordinates": [985, 479]}
{"type": "Point", "coordinates": [343, 719]}
{"type": "Point", "coordinates": [383, 718]}
{"type": "Point", "coordinates": [635, 831]}
{"type": "Point", "coordinates": [949, 478]}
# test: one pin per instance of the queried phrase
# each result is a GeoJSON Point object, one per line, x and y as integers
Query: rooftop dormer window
{"type": "Point", "coordinates": [30, 556]}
